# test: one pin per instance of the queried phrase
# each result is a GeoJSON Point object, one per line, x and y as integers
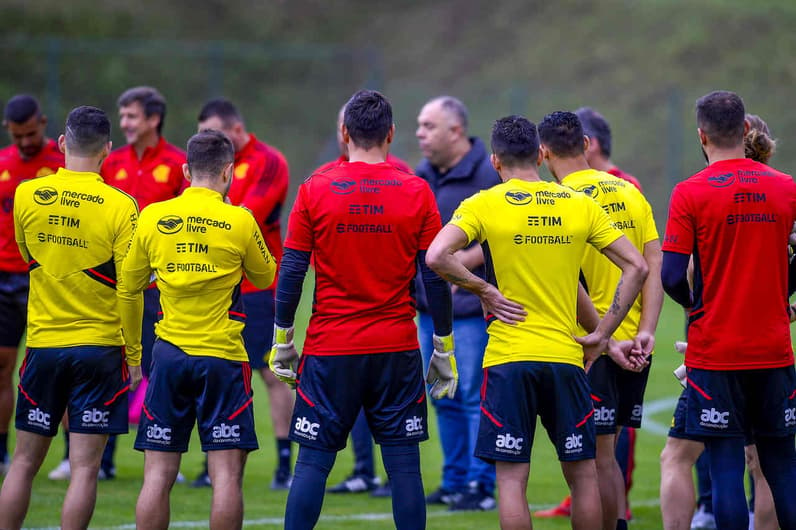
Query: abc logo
{"type": "Point", "coordinates": [304, 425]}
{"type": "Point", "coordinates": [95, 416]}
{"type": "Point", "coordinates": [604, 414]}
{"type": "Point", "coordinates": [638, 410]}
{"type": "Point", "coordinates": [343, 186]}
{"type": "Point", "coordinates": [574, 441]}
{"type": "Point", "coordinates": [38, 416]}
{"type": "Point", "coordinates": [414, 424]}
{"type": "Point", "coordinates": [45, 195]}
{"type": "Point", "coordinates": [518, 197]}
{"type": "Point", "coordinates": [170, 224]}
{"type": "Point", "coordinates": [790, 416]}
{"type": "Point", "coordinates": [226, 431]}
{"type": "Point", "coordinates": [507, 441]}
{"type": "Point", "coordinates": [156, 432]}
{"type": "Point", "coordinates": [715, 417]}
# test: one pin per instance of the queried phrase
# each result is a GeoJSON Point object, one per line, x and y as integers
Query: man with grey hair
{"type": "Point", "coordinates": [456, 166]}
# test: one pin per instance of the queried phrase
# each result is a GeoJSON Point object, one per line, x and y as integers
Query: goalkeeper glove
{"type": "Point", "coordinates": [283, 360]}
{"type": "Point", "coordinates": [442, 373]}
{"type": "Point", "coordinates": [680, 372]}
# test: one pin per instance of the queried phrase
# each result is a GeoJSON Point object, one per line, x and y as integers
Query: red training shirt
{"type": "Point", "coordinates": [364, 224]}
{"type": "Point", "coordinates": [260, 184]}
{"type": "Point", "coordinates": [615, 171]}
{"type": "Point", "coordinates": [735, 217]}
{"type": "Point", "coordinates": [392, 160]}
{"type": "Point", "coordinates": [156, 177]}
{"type": "Point", "coordinates": [13, 170]}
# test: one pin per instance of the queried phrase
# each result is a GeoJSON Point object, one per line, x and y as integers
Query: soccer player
{"type": "Point", "coordinates": [31, 155]}
{"type": "Point", "coordinates": [618, 394]}
{"type": "Point", "coordinates": [456, 166]}
{"type": "Point", "coordinates": [598, 152]}
{"type": "Point", "coordinates": [366, 225]}
{"type": "Point", "coordinates": [150, 170]}
{"type": "Point", "coordinates": [198, 247]}
{"type": "Point", "coordinates": [73, 231]}
{"type": "Point", "coordinates": [534, 236]}
{"type": "Point", "coordinates": [363, 477]}
{"type": "Point", "coordinates": [259, 184]}
{"type": "Point", "coordinates": [734, 217]}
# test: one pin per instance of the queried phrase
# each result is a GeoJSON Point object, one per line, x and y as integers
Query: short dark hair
{"type": "Point", "coordinates": [368, 118]}
{"type": "Point", "coordinates": [87, 131]}
{"type": "Point", "coordinates": [21, 108]}
{"type": "Point", "coordinates": [150, 99]}
{"type": "Point", "coordinates": [562, 133]}
{"type": "Point", "coordinates": [221, 108]}
{"type": "Point", "coordinates": [720, 115]}
{"type": "Point", "coordinates": [515, 141]}
{"type": "Point", "coordinates": [595, 126]}
{"type": "Point", "coordinates": [209, 152]}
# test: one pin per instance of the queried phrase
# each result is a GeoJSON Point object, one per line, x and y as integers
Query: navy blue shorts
{"type": "Point", "coordinates": [332, 389]}
{"type": "Point", "coordinates": [677, 429]}
{"type": "Point", "coordinates": [747, 403]}
{"type": "Point", "coordinates": [618, 395]}
{"type": "Point", "coordinates": [13, 307]}
{"type": "Point", "coordinates": [185, 389]}
{"type": "Point", "coordinates": [90, 381]}
{"type": "Point", "coordinates": [513, 394]}
{"type": "Point", "coordinates": [259, 329]}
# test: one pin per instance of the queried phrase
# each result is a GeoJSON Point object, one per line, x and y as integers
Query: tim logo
{"type": "Point", "coordinates": [343, 186]}
{"type": "Point", "coordinates": [604, 415]}
{"type": "Point", "coordinates": [46, 195]}
{"type": "Point", "coordinates": [518, 197]}
{"type": "Point", "coordinates": [507, 441]}
{"type": "Point", "coordinates": [591, 190]}
{"type": "Point", "coordinates": [414, 425]}
{"type": "Point", "coordinates": [171, 224]}
{"type": "Point", "coordinates": [39, 417]}
{"type": "Point", "coordinates": [714, 418]}
{"type": "Point", "coordinates": [574, 443]}
{"type": "Point", "coordinates": [721, 181]}
{"type": "Point", "coordinates": [95, 417]}
{"type": "Point", "coordinates": [156, 432]}
{"type": "Point", "coordinates": [790, 417]}
{"type": "Point", "coordinates": [226, 432]}
{"type": "Point", "coordinates": [307, 428]}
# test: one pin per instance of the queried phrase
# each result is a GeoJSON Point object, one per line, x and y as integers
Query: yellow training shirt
{"type": "Point", "coordinates": [198, 247]}
{"type": "Point", "coordinates": [534, 235]}
{"type": "Point", "coordinates": [74, 231]}
{"type": "Point", "coordinates": [631, 213]}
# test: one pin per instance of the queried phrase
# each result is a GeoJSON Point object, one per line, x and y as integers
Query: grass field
{"type": "Point", "coordinates": [265, 508]}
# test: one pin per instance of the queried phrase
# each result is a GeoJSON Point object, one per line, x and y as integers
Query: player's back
{"type": "Point", "coordinates": [734, 217]}
{"type": "Point", "coordinates": [631, 213]}
{"type": "Point", "coordinates": [198, 247]}
{"type": "Point", "coordinates": [534, 235]}
{"type": "Point", "coordinates": [364, 224]}
{"type": "Point", "coordinates": [76, 228]}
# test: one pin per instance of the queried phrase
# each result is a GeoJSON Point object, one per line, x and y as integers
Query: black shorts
{"type": "Point", "coordinates": [677, 429]}
{"type": "Point", "coordinates": [741, 403]}
{"type": "Point", "coordinates": [513, 394]}
{"type": "Point", "coordinates": [259, 328]}
{"type": "Point", "coordinates": [618, 395]}
{"type": "Point", "coordinates": [13, 307]}
{"type": "Point", "coordinates": [92, 381]}
{"type": "Point", "coordinates": [332, 389]}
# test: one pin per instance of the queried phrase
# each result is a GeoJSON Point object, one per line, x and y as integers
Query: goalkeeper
{"type": "Point", "coordinates": [367, 226]}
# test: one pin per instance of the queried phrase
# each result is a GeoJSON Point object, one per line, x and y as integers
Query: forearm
{"type": "Point", "coordinates": [448, 266]}
{"type": "Point", "coordinates": [292, 271]}
{"type": "Point", "coordinates": [588, 317]}
{"type": "Point", "coordinates": [627, 290]}
{"type": "Point", "coordinates": [438, 293]}
{"type": "Point", "coordinates": [471, 257]}
{"type": "Point", "coordinates": [674, 277]}
{"type": "Point", "coordinates": [131, 311]}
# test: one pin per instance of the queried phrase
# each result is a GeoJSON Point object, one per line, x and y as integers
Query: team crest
{"type": "Point", "coordinates": [120, 175]}
{"type": "Point", "coordinates": [518, 197]}
{"type": "Point", "coordinates": [5, 176]}
{"type": "Point", "coordinates": [161, 173]}
{"type": "Point", "coordinates": [241, 170]}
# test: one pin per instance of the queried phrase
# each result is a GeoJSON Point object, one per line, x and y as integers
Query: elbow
{"type": "Point", "coordinates": [642, 268]}
{"type": "Point", "coordinates": [434, 258]}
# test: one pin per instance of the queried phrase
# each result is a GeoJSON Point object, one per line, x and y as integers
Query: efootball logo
{"type": "Point", "coordinates": [518, 197]}
{"type": "Point", "coordinates": [343, 186]}
{"type": "Point", "coordinates": [171, 224]}
{"type": "Point", "coordinates": [591, 190]}
{"type": "Point", "coordinates": [45, 195]}
{"type": "Point", "coordinates": [721, 181]}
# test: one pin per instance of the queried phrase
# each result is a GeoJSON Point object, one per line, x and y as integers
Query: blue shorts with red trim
{"type": "Point", "coordinates": [618, 395]}
{"type": "Point", "coordinates": [332, 389]}
{"type": "Point", "coordinates": [259, 328]}
{"type": "Point", "coordinates": [91, 382]}
{"type": "Point", "coordinates": [185, 389]}
{"type": "Point", "coordinates": [741, 403]}
{"type": "Point", "coordinates": [513, 394]}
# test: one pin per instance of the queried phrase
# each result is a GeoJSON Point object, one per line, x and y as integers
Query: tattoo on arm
{"type": "Point", "coordinates": [614, 309]}
{"type": "Point", "coordinates": [458, 280]}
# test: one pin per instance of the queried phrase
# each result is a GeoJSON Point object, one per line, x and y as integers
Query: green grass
{"type": "Point", "coordinates": [264, 508]}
